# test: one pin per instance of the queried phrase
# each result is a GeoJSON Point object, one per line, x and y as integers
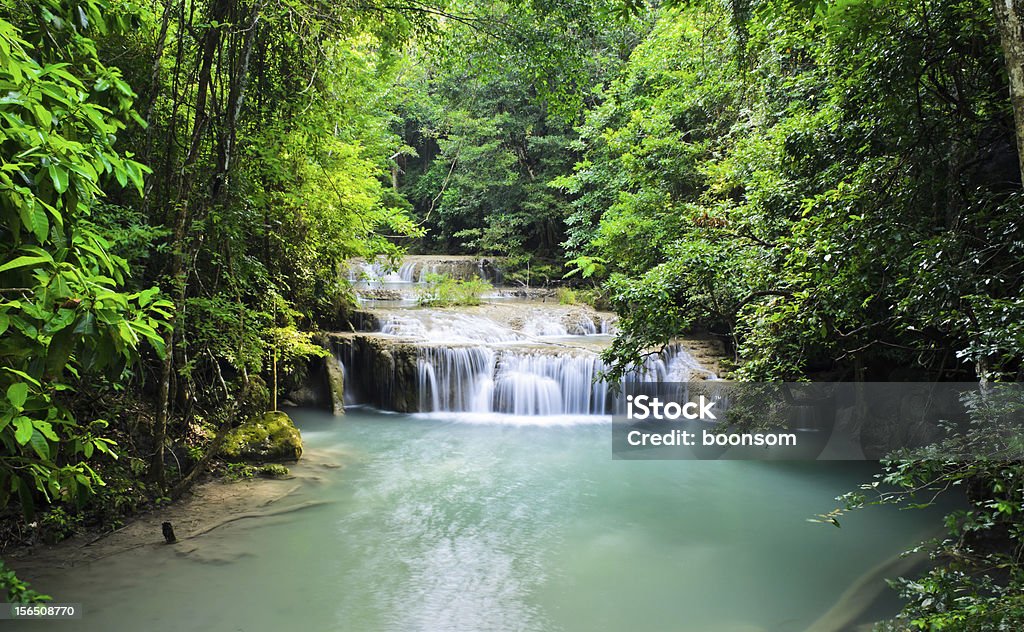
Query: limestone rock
{"type": "Point", "coordinates": [335, 385]}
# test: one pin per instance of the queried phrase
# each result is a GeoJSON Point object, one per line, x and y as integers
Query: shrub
{"type": "Point", "coordinates": [17, 590]}
{"type": "Point", "coordinates": [443, 291]}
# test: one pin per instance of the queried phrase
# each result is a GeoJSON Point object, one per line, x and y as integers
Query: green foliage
{"type": "Point", "coordinates": [17, 590]}
{"type": "Point", "coordinates": [273, 470]}
{"type": "Point", "coordinates": [242, 471]}
{"type": "Point", "coordinates": [444, 291]}
{"type": "Point", "coordinates": [266, 184]}
{"type": "Point", "coordinates": [64, 311]}
{"type": "Point", "coordinates": [311, 194]}
{"type": "Point", "coordinates": [838, 195]}
{"type": "Point", "coordinates": [567, 296]}
{"type": "Point", "coordinates": [57, 524]}
{"type": "Point", "coordinates": [488, 121]}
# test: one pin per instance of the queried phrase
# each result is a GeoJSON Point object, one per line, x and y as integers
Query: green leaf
{"type": "Point", "coordinates": [46, 429]}
{"type": "Point", "coordinates": [59, 175]}
{"type": "Point", "coordinates": [24, 262]}
{"type": "Point", "coordinates": [17, 393]}
{"type": "Point", "coordinates": [40, 225]}
{"type": "Point", "coordinates": [23, 375]}
{"type": "Point", "coordinates": [135, 173]}
{"type": "Point", "coordinates": [43, 115]}
{"type": "Point", "coordinates": [39, 445]}
{"type": "Point", "coordinates": [23, 430]}
{"type": "Point", "coordinates": [60, 350]}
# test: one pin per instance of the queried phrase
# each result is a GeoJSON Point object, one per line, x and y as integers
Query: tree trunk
{"type": "Point", "coordinates": [1010, 19]}
{"type": "Point", "coordinates": [178, 276]}
{"type": "Point", "coordinates": [156, 465]}
{"type": "Point", "coordinates": [273, 386]}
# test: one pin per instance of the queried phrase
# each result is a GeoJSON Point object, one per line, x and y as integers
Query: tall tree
{"type": "Point", "coordinates": [1010, 20]}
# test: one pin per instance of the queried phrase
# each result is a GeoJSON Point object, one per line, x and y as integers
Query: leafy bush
{"type": "Point", "coordinates": [57, 524]}
{"type": "Point", "coordinates": [567, 296]}
{"type": "Point", "coordinates": [17, 590]}
{"type": "Point", "coordinates": [66, 312]}
{"type": "Point", "coordinates": [443, 291]}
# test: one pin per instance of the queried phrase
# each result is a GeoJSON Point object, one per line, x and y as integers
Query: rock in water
{"type": "Point", "coordinates": [335, 384]}
{"type": "Point", "coordinates": [271, 437]}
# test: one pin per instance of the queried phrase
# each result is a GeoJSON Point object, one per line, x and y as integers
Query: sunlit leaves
{"type": "Point", "coordinates": [837, 179]}
{"type": "Point", "coordinates": [62, 310]}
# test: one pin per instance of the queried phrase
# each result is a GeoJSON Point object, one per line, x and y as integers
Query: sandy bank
{"type": "Point", "coordinates": [209, 506]}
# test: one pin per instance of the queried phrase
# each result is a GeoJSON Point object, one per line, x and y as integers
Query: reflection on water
{"type": "Point", "coordinates": [439, 525]}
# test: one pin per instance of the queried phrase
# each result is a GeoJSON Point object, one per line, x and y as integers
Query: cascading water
{"type": "Point", "coordinates": [510, 379]}
{"type": "Point", "coordinates": [415, 269]}
{"type": "Point", "coordinates": [455, 378]}
{"type": "Point", "coordinates": [451, 327]}
{"type": "Point", "coordinates": [528, 358]}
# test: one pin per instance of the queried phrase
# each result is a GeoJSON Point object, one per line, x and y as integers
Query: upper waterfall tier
{"type": "Point", "coordinates": [522, 358]}
{"type": "Point", "coordinates": [417, 268]}
{"type": "Point", "coordinates": [521, 321]}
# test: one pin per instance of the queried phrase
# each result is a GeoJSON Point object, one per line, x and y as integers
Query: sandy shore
{"type": "Point", "coordinates": [208, 507]}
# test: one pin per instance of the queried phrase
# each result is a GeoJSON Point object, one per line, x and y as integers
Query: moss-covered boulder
{"type": "Point", "coordinates": [268, 438]}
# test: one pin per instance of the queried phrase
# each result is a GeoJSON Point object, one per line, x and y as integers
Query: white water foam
{"type": "Point", "coordinates": [506, 419]}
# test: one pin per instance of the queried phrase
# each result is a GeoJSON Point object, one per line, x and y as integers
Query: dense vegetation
{"type": "Point", "coordinates": [833, 188]}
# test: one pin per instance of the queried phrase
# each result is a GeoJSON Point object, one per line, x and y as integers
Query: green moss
{"type": "Point", "coordinates": [272, 437]}
{"type": "Point", "coordinates": [240, 471]}
{"type": "Point", "coordinates": [273, 470]}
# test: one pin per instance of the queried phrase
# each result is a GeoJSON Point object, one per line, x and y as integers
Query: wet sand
{"type": "Point", "coordinates": [205, 509]}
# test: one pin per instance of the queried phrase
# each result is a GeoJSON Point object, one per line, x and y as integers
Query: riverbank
{"type": "Point", "coordinates": [205, 509]}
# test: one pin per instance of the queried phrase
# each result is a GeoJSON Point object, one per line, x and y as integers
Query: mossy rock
{"type": "Point", "coordinates": [270, 438]}
{"type": "Point", "coordinates": [335, 384]}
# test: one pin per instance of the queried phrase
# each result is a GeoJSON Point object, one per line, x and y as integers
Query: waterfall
{"type": "Point", "coordinates": [536, 383]}
{"type": "Point", "coordinates": [454, 378]}
{"type": "Point", "coordinates": [416, 269]}
{"type": "Point", "coordinates": [407, 273]}
{"type": "Point", "coordinates": [374, 272]}
{"type": "Point", "coordinates": [481, 378]}
{"type": "Point", "coordinates": [484, 380]}
{"type": "Point", "coordinates": [506, 357]}
{"type": "Point", "coordinates": [530, 382]}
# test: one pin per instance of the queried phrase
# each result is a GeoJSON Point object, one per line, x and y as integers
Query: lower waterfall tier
{"type": "Point", "coordinates": [421, 377]}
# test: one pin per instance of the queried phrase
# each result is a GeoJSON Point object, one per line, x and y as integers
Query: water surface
{"type": "Point", "coordinates": [449, 523]}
